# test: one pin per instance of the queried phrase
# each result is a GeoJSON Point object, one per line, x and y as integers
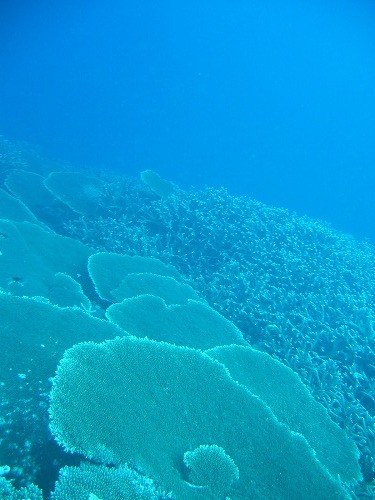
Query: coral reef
{"type": "Point", "coordinates": [294, 286]}
{"type": "Point", "coordinates": [296, 290]}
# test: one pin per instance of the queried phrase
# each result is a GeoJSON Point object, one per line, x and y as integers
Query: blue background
{"type": "Point", "coordinates": [269, 98]}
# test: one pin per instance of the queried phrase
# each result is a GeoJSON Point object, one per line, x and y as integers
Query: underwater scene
{"type": "Point", "coordinates": [187, 250]}
{"type": "Point", "coordinates": [166, 343]}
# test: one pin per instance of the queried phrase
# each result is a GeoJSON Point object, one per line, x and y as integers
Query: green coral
{"type": "Point", "coordinates": [146, 402]}
{"type": "Point", "coordinates": [166, 287]}
{"type": "Point", "coordinates": [9, 492]}
{"type": "Point", "coordinates": [295, 287]}
{"type": "Point", "coordinates": [194, 324]}
{"type": "Point", "coordinates": [34, 337]}
{"type": "Point", "coordinates": [209, 466]}
{"type": "Point", "coordinates": [106, 483]}
{"type": "Point", "coordinates": [298, 289]}
{"type": "Point", "coordinates": [80, 192]}
{"type": "Point", "coordinates": [157, 185]}
{"type": "Point", "coordinates": [109, 270]}
{"type": "Point", "coordinates": [36, 262]}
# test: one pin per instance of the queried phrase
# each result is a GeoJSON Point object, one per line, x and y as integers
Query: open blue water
{"type": "Point", "coordinates": [272, 99]}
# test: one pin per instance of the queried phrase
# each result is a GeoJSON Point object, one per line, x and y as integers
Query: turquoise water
{"type": "Point", "coordinates": [269, 99]}
{"type": "Point", "coordinates": [187, 260]}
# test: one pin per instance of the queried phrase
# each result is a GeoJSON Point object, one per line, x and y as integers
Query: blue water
{"type": "Point", "coordinates": [270, 99]}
